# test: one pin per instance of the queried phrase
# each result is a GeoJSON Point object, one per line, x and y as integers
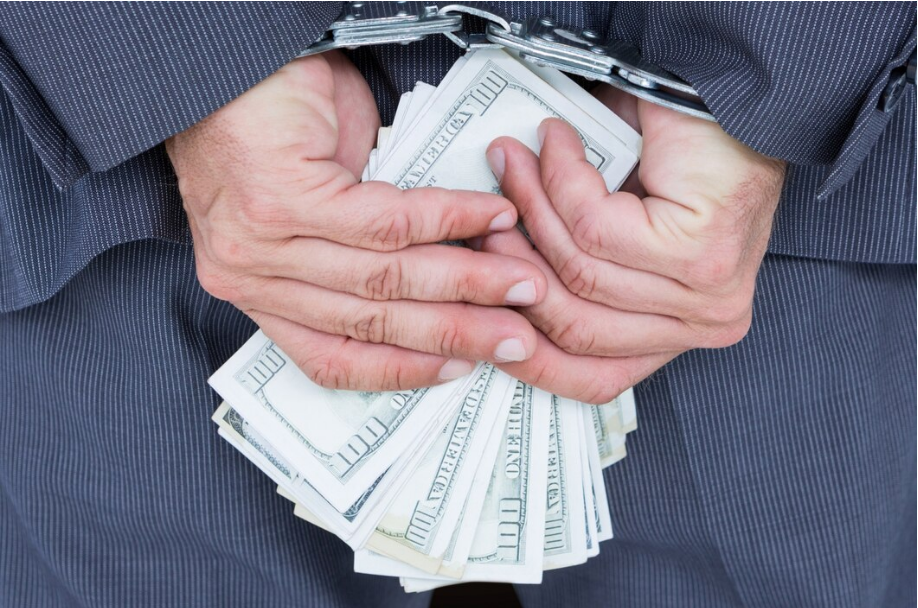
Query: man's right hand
{"type": "Point", "coordinates": [347, 278]}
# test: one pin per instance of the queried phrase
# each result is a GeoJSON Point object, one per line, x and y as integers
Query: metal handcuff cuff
{"type": "Point", "coordinates": [539, 40]}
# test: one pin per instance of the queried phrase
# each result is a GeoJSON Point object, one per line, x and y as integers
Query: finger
{"type": "Point", "coordinates": [447, 329]}
{"type": "Point", "coordinates": [590, 278]}
{"type": "Point", "coordinates": [586, 328]}
{"type": "Point", "coordinates": [625, 107]}
{"type": "Point", "coordinates": [588, 379]}
{"type": "Point", "coordinates": [431, 273]}
{"type": "Point", "coordinates": [338, 362]}
{"type": "Point", "coordinates": [615, 227]}
{"type": "Point", "coordinates": [380, 216]}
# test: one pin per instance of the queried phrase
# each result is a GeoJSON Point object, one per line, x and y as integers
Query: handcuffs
{"type": "Point", "coordinates": [540, 40]}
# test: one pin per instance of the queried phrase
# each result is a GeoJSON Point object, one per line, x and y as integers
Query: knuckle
{"type": "Point", "coordinates": [727, 309]}
{"type": "Point", "coordinates": [385, 281]}
{"type": "Point", "coordinates": [574, 336]}
{"type": "Point", "coordinates": [600, 392]}
{"type": "Point", "coordinates": [466, 287]}
{"type": "Point", "coordinates": [579, 275]}
{"type": "Point", "coordinates": [558, 176]}
{"type": "Point", "coordinates": [217, 283]}
{"type": "Point", "coordinates": [720, 311]}
{"type": "Point", "coordinates": [394, 375]}
{"type": "Point", "coordinates": [456, 220]}
{"type": "Point", "coordinates": [229, 251]}
{"type": "Point", "coordinates": [543, 376]}
{"type": "Point", "coordinates": [587, 232]}
{"type": "Point", "coordinates": [371, 324]}
{"type": "Point", "coordinates": [729, 334]}
{"type": "Point", "coordinates": [615, 381]}
{"type": "Point", "coordinates": [393, 231]}
{"type": "Point", "coordinates": [714, 270]}
{"type": "Point", "coordinates": [450, 338]}
{"type": "Point", "coordinates": [740, 329]}
{"type": "Point", "coordinates": [327, 372]}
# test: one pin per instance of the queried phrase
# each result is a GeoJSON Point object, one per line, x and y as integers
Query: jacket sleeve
{"type": "Point", "coordinates": [801, 81]}
{"type": "Point", "coordinates": [95, 84]}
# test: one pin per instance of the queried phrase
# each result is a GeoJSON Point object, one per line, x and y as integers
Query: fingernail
{"type": "Point", "coordinates": [510, 350]}
{"type": "Point", "coordinates": [541, 132]}
{"type": "Point", "coordinates": [455, 368]}
{"type": "Point", "coordinates": [475, 243]}
{"type": "Point", "coordinates": [521, 294]}
{"type": "Point", "coordinates": [504, 221]}
{"type": "Point", "coordinates": [496, 160]}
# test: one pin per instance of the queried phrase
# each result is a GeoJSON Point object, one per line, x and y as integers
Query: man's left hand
{"type": "Point", "coordinates": [635, 278]}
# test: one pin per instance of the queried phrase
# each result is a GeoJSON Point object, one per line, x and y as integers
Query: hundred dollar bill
{"type": "Point", "coordinates": [419, 524]}
{"type": "Point", "coordinates": [342, 441]}
{"type": "Point", "coordinates": [589, 104]}
{"type": "Point", "coordinates": [607, 427]}
{"type": "Point", "coordinates": [354, 525]}
{"type": "Point", "coordinates": [305, 514]}
{"type": "Point", "coordinates": [492, 95]}
{"type": "Point", "coordinates": [628, 410]}
{"type": "Point", "coordinates": [597, 486]}
{"type": "Point", "coordinates": [510, 533]}
{"type": "Point", "coordinates": [457, 552]}
{"type": "Point", "coordinates": [253, 446]}
{"type": "Point", "coordinates": [590, 513]}
{"type": "Point", "coordinates": [565, 526]}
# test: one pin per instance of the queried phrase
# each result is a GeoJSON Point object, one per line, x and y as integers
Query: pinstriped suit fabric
{"type": "Point", "coordinates": [114, 488]}
{"type": "Point", "coordinates": [120, 78]}
{"type": "Point", "coordinates": [779, 472]}
{"type": "Point", "coordinates": [47, 235]}
{"type": "Point", "coordinates": [752, 62]}
{"type": "Point", "coordinates": [871, 218]}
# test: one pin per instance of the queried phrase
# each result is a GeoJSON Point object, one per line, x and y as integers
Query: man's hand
{"type": "Point", "coordinates": [347, 278]}
{"type": "Point", "coordinates": [635, 278]}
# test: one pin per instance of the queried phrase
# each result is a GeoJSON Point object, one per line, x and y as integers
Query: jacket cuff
{"type": "Point", "coordinates": [95, 84]}
{"type": "Point", "coordinates": [875, 113]}
{"type": "Point", "coordinates": [790, 80]}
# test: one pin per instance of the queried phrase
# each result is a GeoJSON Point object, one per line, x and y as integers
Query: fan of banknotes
{"type": "Point", "coordinates": [485, 478]}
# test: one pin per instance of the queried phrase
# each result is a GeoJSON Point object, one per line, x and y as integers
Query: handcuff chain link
{"type": "Point", "coordinates": [540, 40]}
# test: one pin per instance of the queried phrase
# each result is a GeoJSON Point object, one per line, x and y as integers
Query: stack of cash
{"type": "Point", "coordinates": [482, 479]}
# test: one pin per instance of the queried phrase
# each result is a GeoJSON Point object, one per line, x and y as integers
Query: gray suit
{"type": "Point", "coordinates": [778, 472]}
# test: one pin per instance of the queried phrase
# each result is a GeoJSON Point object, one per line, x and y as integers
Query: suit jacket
{"type": "Point", "coordinates": [93, 89]}
{"type": "Point", "coordinates": [776, 472]}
